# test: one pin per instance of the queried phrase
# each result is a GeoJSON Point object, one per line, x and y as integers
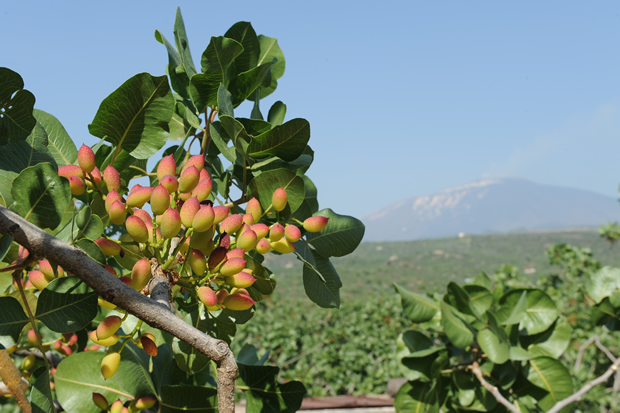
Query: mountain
{"type": "Point", "coordinates": [490, 205]}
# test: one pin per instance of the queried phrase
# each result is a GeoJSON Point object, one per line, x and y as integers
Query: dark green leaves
{"type": "Point", "coordinates": [135, 116]}
{"type": "Point", "coordinates": [179, 399]}
{"type": "Point", "coordinates": [265, 184]}
{"type": "Point", "coordinates": [12, 320]}
{"type": "Point", "coordinates": [321, 281]}
{"type": "Point", "coordinates": [40, 195]}
{"type": "Point", "coordinates": [550, 375]}
{"type": "Point", "coordinates": [216, 67]}
{"type": "Point", "coordinates": [265, 394]}
{"type": "Point", "coordinates": [41, 394]}
{"type": "Point", "coordinates": [270, 52]}
{"type": "Point", "coordinates": [493, 340]}
{"type": "Point", "coordinates": [603, 283]}
{"type": "Point", "coordinates": [16, 120]}
{"type": "Point", "coordinates": [286, 141]}
{"type": "Point", "coordinates": [79, 376]}
{"type": "Point", "coordinates": [341, 236]}
{"type": "Point", "coordinates": [59, 143]}
{"type": "Point", "coordinates": [66, 305]}
{"type": "Point", "coordinates": [418, 308]}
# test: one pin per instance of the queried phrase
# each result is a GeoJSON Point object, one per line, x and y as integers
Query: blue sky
{"type": "Point", "coordinates": [404, 98]}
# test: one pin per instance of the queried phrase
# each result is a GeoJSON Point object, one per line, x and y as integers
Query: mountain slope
{"type": "Point", "coordinates": [490, 205]}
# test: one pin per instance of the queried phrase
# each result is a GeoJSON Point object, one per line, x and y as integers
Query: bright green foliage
{"type": "Point", "coordinates": [511, 332]}
{"type": "Point", "coordinates": [610, 231]}
{"type": "Point", "coordinates": [255, 156]}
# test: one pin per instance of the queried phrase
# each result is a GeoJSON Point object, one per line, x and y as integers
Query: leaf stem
{"type": "Point", "coordinates": [18, 280]}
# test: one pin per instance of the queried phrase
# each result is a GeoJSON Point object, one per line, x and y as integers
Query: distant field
{"type": "Point", "coordinates": [430, 264]}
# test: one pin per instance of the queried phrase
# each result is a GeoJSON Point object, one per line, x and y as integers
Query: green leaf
{"type": "Point", "coordinates": [551, 343]}
{"type": "Point", "coordinates": [182, 44]}
{"type": "Point", "coordinates": [270, 50]}
{"type": "Point", "coordinates": [235, 132]}
{"type": "Point", "coordinates": [417, 396]}
{"type": "Point", "coordinates": [12, 320]}
{"type": "Point", "coordinates": [216, 67]}
{"type": "Point", "coordinates": [603, 283]}
{"type": "Point", "coordinates": [540, 314]}
{"type": "Point", "coordinates": [248, 355]}
{"type": "Point", "coordinates": [265, 394]}
{"type": "Point", "coordinates": [265, 282]}
{"type": "Point", "coordinates": [87, 225]}
{"type": "Point", "coordinates": [459, 299]}
{"type": "Point", "coordinates": [135, 116]}
{"type": "Point", "coordinates": [244, 33]}
{"type": "Point", "coordinates": [418, 308]}
{"type": "Point", "coordinates": [187, 357]}
{"type": "Point", "coordinates": [287, 141]}
{"type": "Point", "coordinates": [16, 120]}
{"type": "Point", "coordinates": [92, 250]}
{"type": "Point", "coordinates": [78, 376]}
{"type": "Point", "coordinates": [220, 138]}
{"type": "Point", "coordinates": [15, 157]}
{"type": "Point", "coordinates": [59, 142]}
{"type": "Point", "coordinates": [480, 298]}
{"type": "Point", "coordinates": [605, 313]}
{"type": "Point", "coordinates": [455, 326]}
{"type": "Point", "coordinates": [66, 304]}
{"type": "Point", "coordinates": [197, 399]}
{"type": "Point", "coordinates": [264, 185]}
{"type": "Point", "coordinates": [254, 126]}
{"type": "Point", "coordinates": [321, 281]}
{"type": "Point", "coordinates": [512, 312]}
{"type": "Point", "coordinates": [246, 83]}
{"type": "Point", "coordinates": [5, 244]}
{"type": "Point", "coordinates": [40, 195]}
{"type": "Point", "coordinates": [224, 102]}
{"type": "Point", "coordinates": [551, 375]}
{"type": "Point", "coordinates": [340, 237]}
{"type": "Point", "coordinates": [494, 341]}
{"type": "Point", "coordinates": [178, 77]}
{"type": "Point", "coordinates": [276, 115]}
{"type": "Point", "coordinates": [41, 398]}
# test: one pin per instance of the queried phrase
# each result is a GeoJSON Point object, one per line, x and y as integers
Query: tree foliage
{"type": "Point", "coordinates": [228, 191]}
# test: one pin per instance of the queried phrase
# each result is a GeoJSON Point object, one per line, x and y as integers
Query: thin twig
{"type": "Point", "coordinates": [597, 341]}
{"type": "Point", "coordinates": [475, 367]}
{"type": "Point", "coordinates": [13, 380]}
{"type": "Point", "coordinates": [577, 395]}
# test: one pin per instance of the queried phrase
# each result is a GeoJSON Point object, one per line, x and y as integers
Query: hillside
{"type": "Point", "coordinates": [431, 264]}
{"type": "Point", "coordinates": [490, 206]}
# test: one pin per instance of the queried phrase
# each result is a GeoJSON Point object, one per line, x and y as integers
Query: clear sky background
{"type": "Point", "coordinates": [404, 98]}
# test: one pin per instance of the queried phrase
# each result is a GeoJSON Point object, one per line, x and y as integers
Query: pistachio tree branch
{"type": "Point", "coordinates": [475, 368]}
{"type": "Point", "coordinates": [116, 292]}
{"type": "Point", "coordinates": [12, 378]}
{"type": "Point", "coordinates": [597, 341]}
{"type": "Point", "coordinates": [577, 395]}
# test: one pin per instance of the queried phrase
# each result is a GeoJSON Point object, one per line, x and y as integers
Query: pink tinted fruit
{"type": "Point", "coordinates": [315, 224]}
{"type": "Point", "coordinates": [76, 185]}
{"type": "Point", "coordinates": [160, 200]}
{"type": "Point", "coordinates": [167, 166]}
{"type": "Point", "coordinates": [86, 159]}
{"type": "Point", "coordinates": [137, 229]}
{"type": "Point", "coordinates": [189, 179]}
{"type": "Point", "coordinates": [112, 179]}
{"type": "Point", "coordinates": [170, 223]}
{"type": "Point", "coordinates": [279, 199]}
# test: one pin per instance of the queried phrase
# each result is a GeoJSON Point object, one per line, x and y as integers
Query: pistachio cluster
{"type": "Point", "coordinates": [208, 247]}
